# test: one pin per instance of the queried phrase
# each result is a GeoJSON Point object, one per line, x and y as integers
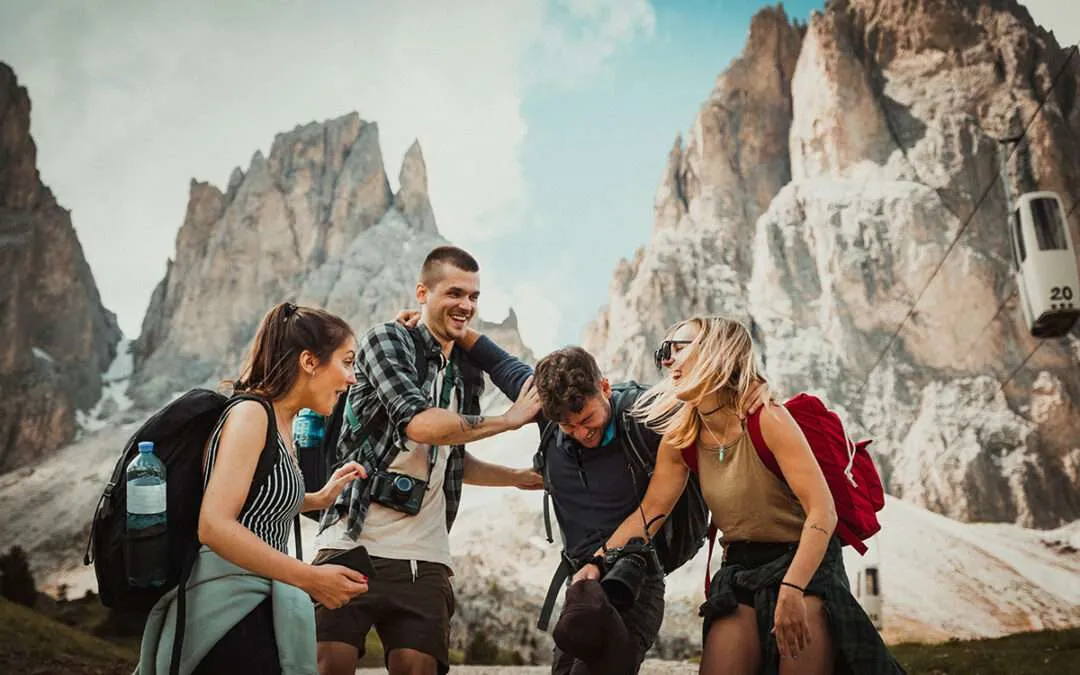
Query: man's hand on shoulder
{"type": "Point", "coordinates": [408, 318]}
{"type": "Point", "coordinates": [526, 407]}
{"type": "Point", "coordinates": [762, 396]}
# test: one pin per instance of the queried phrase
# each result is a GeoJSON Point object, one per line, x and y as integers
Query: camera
{"type": "Point", "coordinates": [398, 491]}
{"type": "Point", "coordinates": [627, 567]}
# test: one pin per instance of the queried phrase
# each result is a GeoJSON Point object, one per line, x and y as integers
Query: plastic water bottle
{"type": "Point", "coordinates": [147, 542]}
{"type": "Point", "coordinates": [309, 428]}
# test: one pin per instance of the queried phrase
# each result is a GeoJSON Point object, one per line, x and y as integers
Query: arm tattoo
{"type": "Point", "coordinates": [820, 529]}
{"type": "Point", "coordinates": [469, 422]}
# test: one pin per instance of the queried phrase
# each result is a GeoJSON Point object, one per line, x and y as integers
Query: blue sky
{"type": "Point", "coordinates": [595, 153]}
{"type": "Point", "coordinates": [545, 124]}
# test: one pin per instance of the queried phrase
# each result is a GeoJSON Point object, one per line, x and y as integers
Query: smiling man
{"type": "Point", "coordinates": [415, 405]}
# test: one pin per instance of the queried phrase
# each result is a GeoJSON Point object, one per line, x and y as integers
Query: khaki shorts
{"type": "Point", "coordinates": [407, 613]}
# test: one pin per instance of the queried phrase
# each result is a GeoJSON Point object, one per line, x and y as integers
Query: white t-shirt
{"type": "Point", "coordinates": [392, 534]}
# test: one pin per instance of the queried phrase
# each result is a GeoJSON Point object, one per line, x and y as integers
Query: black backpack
{"type": "Point", "coordinates": [319, 463]}
{"type": "Point", "coordinates": [180, 431]}
{"type": "Point", "coordinates": [683, 533]}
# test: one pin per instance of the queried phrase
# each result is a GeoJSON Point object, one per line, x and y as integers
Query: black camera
{"type": "Point", "coordinates": [627, 567]}
{"type": "Point", "coordinates": [398, 491]}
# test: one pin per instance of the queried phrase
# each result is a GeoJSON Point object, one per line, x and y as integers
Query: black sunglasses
{"type": "Point", "coordinates": [663, 352]}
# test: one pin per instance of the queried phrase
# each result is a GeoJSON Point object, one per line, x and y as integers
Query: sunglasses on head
{"type": "Point", "coordinates": [663, 352]}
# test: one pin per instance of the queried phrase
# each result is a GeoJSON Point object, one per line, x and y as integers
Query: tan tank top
{"type": "Point", "coordinates": [748, 501]}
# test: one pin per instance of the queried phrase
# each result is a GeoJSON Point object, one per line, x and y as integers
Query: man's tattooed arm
{"type": "Point", "coordinates": [437, 426]}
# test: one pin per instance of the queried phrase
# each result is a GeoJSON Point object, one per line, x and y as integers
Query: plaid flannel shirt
{"type": "Point", "coordinates": [384, 399]}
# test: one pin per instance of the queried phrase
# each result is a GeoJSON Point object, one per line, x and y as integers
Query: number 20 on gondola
{"type": "Point", "coordinates": [1045, 264]}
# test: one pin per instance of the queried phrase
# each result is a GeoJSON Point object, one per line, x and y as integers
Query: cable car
{"type": "Point", "coordinates": [1045, 264]}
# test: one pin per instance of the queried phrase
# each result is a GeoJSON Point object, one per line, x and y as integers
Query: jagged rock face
{"type": "Point", "coordinates": [890, 148]}
{"type": "Point", "coordinates": [315, 223]}
{"type": "Point", "coordinates": [55, 336]}
{"type": "Point", "coordinates": [710, 195]}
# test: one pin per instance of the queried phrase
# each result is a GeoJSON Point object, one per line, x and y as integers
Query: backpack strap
{"type": "Point", "coordinates": [753, 428]}
{"type": "Point", "coordinates": [708, 559]}
{"type": "Point", "coordinates": [540, 466]}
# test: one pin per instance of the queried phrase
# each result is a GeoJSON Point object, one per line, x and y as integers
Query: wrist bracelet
{"type": "Point", "coordinates": [801, 590]}
{"type": "Point", "coordinates": [597, 560]}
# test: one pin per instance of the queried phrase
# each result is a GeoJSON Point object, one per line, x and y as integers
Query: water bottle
{"type": "Point", "coordinates": [147, 542]}
{"type": "Point", "coordinates": [308, 430]}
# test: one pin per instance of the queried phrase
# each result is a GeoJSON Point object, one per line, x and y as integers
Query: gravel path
{"type": "Point", "coordinates": [649, 667]}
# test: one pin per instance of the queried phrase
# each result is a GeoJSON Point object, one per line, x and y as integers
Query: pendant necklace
{"type": "Point", "coordinates": [721, 449]}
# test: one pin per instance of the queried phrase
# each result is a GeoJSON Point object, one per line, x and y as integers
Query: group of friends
{"type": "Point", "coordinates": [779, 602]}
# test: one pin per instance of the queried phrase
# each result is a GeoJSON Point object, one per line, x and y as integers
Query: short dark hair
{"type": "Point", "coordinates": [565, 380]}
{"type": "Point", "coordinates": [451, 255]}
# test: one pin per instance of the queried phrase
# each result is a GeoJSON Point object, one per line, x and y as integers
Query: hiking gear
{"type": "Point", "coordinates": [180, 431]}
{"type": "Point", "coordinates": [849, 469]}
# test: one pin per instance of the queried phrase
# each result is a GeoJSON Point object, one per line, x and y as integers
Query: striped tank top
{"type": "Point", "coordinates": [277, 499]}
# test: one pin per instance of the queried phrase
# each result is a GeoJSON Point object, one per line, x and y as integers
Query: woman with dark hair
{"type": "Point", "coordinates": [301, 357]}
{"type": "Point", "coordinates": [780, 602]}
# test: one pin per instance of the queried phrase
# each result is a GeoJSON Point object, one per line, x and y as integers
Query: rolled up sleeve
{"type": "Point", "coordinates": [386, 358]}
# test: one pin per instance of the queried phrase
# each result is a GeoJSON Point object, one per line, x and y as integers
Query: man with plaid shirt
{"type": "Point", "coordinates": [410, 432]}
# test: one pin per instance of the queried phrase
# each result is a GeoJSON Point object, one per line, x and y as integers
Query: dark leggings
{"type": "Point", "coordinates": [248, 647]}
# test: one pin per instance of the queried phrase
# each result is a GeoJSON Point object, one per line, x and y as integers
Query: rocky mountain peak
{"type": "Point", "coordinates": [55, 337]}
{"type": "Point", "coordinates": [20, 186]}
{"type": "Point", "coordinates": [710, 195]}
{"type": "Point", "coordinates": [823, 181]}
{"type": "Point", "coordinates": [412, 197]}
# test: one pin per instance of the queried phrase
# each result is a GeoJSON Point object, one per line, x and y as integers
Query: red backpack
{"type": "Point", "coordinates": [849, 470]}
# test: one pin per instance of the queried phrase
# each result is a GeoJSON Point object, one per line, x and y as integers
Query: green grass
{"type": "Point", "coordinates": [35, 644]}
{"type": "Point", "coordinates": [1053, 651]}
{"type": "Point", "coordinates": [58, 641]}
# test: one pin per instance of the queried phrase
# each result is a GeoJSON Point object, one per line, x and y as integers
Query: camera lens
{"type": "Point", "coordinates": [622, 583]}
{"type": "Point", "coordinates": [403, 484]}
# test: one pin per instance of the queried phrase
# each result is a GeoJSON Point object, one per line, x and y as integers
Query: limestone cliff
{"type": "Point", "coordinates": [56, 338]}
{"type": "Point", "coordinates": [888, 145]}
{"type": "Point", "coordinates": [711, 193]}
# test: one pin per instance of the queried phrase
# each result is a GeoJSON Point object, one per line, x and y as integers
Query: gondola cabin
{"type": "Point", "coordinates": [1045, 264]}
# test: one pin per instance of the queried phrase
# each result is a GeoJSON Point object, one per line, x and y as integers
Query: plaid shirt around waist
{"type": "Point", "coordinates": [388, 393]}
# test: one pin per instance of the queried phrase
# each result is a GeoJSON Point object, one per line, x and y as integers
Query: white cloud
{"type": "Point", "coordinates": [1060, 16]}
{"type": "Point", "coordinates": [132, 99]}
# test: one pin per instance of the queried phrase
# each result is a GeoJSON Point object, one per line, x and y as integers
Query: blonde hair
{"type": "Point", "coordinates": [725, 366]}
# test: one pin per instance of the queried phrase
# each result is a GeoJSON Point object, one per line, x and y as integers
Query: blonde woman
{"type": "Point", "coordinates": [780, 601]}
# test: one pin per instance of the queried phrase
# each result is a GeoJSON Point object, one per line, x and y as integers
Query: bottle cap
{"type": "Point", "coordinates": [146, 446]}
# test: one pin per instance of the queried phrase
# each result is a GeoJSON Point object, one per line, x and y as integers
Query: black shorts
{"type": "Point", "coordinates": [407, 612]}
{"type": "Point", "coordinates": [752, 554]}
